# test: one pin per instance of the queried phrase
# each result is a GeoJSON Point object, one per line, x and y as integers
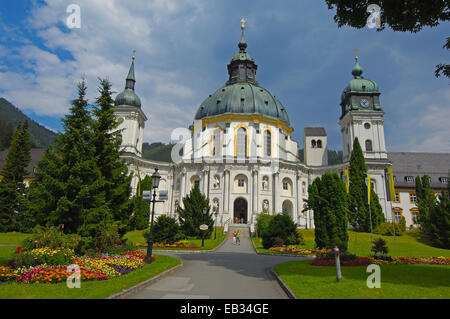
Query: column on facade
{"type": "Point", "coordinates": [297, 197]}
{"type": "Point", "coordinates": [276, 192]}
{"type": "Point", "coordinates": [183, 187]}
{"type": "Point", "coordinates": [226, 193]}
{"type": "Point", "coordinates": [255, 194]}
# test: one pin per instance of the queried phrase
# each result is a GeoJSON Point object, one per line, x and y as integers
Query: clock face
{"type": "Point", "coordinates": [364, 103]}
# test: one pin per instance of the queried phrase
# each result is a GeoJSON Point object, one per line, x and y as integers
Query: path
{"type": "Point", "coordinates": [231, 272]}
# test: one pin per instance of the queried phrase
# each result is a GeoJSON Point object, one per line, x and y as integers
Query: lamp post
{"type": "Point", "coordinates": [155, 183]}
{"type": "Point", "coordinates": [203, 232]}
{"type": "Point", "coordinates": [215, 225]}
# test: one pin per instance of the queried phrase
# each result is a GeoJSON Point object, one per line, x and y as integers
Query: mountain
{"type": "Point", "coordinates": [41, 137]}
{"type": "Point", "coordinates": [157, 151]}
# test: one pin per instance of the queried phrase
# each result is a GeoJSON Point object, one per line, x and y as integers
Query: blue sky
{"type": "Point", "coordinates": [183, 48]}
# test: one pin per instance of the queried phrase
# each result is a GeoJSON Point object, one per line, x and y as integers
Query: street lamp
{"type": "Point", "coordinates": [203, 232]}
{"type": "Point", "coordinates": [155, 183]}
{"type": "Point", "coordinates": [215, 225]}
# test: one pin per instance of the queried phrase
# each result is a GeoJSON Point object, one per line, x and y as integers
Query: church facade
{"type": "Point", "coordinates": [239, 150]}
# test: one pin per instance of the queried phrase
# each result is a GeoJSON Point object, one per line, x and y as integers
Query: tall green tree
{"type": "Point", "coordinates": [426, 201]}
{"type": "Point", "coordinates": [327, 197]}
{"type": "Point", "coordinates": [141, 210]}
{"type": "Point", "coordinates": [6, 134]}
{"type": "Point", "coordinates": [12, 188]}
{"type": "Point", "coordinates": [439, 233]}
{"type": "Point", "coordinates": [107, 143]}
{"type": "Point", "coordinates": [191, 215]}
{"type": "Point", "coordinates": [68, 188]}
{"type": "Point", "coordinates": [359, 215]}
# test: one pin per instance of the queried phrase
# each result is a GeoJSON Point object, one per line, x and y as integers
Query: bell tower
{"type": "Point", "coordinates": [362, 117]}
{"type": "Point", "coordinates": [130, 116]}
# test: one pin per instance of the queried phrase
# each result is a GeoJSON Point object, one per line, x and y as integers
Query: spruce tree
{"type": "Point", "coordinates": [439, 233]}
{"type": "Point", "coordinates": [426, 201]}
{"type": "Point", "coordinates": [328, 198]}
{"type": "Point", "coordinates": [191, 216]}
{"type": "Point", "coordinates": [68, 187]}
{"type": "Point", "coordinates": [114, 171]}
{"type": "Point", "coordinates": [12, 188]}
{"type": "Point", "coordinates": [359, 215]}
{"type": "Point", "coordinates": [141, 210]}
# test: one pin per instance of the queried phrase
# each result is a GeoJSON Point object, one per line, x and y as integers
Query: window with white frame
{"type": "Point", "coordinates": [241, 147]}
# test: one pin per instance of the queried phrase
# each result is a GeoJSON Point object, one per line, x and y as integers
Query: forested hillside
{"type": "Point", "coordinates": [10, 116]}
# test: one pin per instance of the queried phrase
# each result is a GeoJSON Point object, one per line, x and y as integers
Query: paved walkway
{"type": "Point", "coordinates": [230, 272]}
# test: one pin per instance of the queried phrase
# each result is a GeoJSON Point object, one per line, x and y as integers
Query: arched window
{"type": "Point", "coordinates": [398, 213]}
{"type": "Point", "coordinates": [415, 216]}
{"type": "Point", "coordinates": [216, 143]}
{"type": "Point", "coordinates": [241, 147]}
{"type": "Point", "coordinates": [368, 146]}
{"type": "Point", "coordinates": [319, 143]}
{"type": "Point", "coordinates": [313, 144]}
{"type": "Point", "coordinates": [267, 143]}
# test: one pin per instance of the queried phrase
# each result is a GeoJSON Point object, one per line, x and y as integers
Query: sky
{"type": "Point", "coordinates": [182, 52]}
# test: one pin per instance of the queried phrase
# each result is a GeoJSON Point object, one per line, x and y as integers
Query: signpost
{"type": "Point", "coordinates": [203, 228]}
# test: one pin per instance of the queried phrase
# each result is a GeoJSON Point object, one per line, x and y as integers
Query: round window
{"type": "Point", "coordinates": [367, 125]}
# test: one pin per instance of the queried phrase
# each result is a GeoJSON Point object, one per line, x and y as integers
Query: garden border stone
{"type": "Point", "coordinates": [127, 292]}
{"type": "Point", "coordinates": [283, 285]}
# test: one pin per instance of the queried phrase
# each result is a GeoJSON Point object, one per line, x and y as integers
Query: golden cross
{"type": "Point", "coordinates": [134, 52]}
{"type": "Point", "coordinates": [356, 54]}
{"type": "Point", "coordinates": [243, 23]}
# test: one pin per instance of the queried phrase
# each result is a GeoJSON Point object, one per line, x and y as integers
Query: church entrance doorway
{"type": "Point", "coordinates": [240, 211]}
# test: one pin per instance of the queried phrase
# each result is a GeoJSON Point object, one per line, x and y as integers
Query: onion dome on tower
{"type": "Point", "coordinates": [242, 93]}
{"type": "Point", "coordinates": [128, 97]}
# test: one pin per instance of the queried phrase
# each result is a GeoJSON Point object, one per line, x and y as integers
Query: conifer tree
{"type": "Point", "coordinates": [191, 216]}
{"type": "Point", "coordinates": [12, 188]}
{"type": "Point", "coordinates": [114, 171]}
{"type": "Point", "coordinates": [439, 232]}
{"type": "Point", "coordinates": [425, 203]}
{"type": "Point", "coordinates": [68, 187]}
{"type": "Point", "coordinates": [328, 199]}
{"type": "Point", "coordinates": [359, 216]}
{"type": "Point", "coordinates": [141, 211]}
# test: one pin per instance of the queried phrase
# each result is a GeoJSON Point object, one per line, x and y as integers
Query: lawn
{"type": "Point", "coordinates": [13, 238]}
{"type": "Point", "coordinates": [89, 289]}
{"type": "Point", "coordinates": [137, 237]}
{"type": "Point", "coordinates": [408, 244]}
{"type": "Point", "coordinates": [416, 281]}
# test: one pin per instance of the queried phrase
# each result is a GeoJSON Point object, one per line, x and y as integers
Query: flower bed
{"type": "Point", "coordinates": [91, 268]}
{"type": "Point", "coordinates": [295, 250]}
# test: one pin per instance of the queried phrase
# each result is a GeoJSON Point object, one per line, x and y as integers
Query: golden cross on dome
{"type": "Point", "coordinates": [243, 23]}
{"type": "Point", "coordinates": [356, 54]}
{"type": "Point", "coordinates": [134, 52]}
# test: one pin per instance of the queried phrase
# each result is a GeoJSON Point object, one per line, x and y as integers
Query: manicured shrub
{"type": "Point", "coordinates": [51, 237]}
{"type": "Point", "coordinates": [283, 227]}
{"type": "Point", "coordinates": [330, 255]}
{"type": "Point", "coordinates": [301, 239]}
{"type": "Point", "coordinates": [387, 229]}
{"type": "Point", "coordinates": [379, 246]}
{"type": "Point", "coordinates": [165, 231]}
{"type": "Point", "coordinates": [262, 224]}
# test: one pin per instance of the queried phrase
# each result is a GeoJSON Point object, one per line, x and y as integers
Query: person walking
{"type": "Point", "coordinates": [234, 238]}
{"type": "Point", "coordinates": [238, 238]}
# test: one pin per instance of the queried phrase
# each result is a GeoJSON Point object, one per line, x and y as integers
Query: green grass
{"type": "Point", "coordinates": [409, 244]}
{"type": "Point", "coordinates": [137, 237]}
{"type": "Point", "coordinates": [397, 281]}
{"type": "Point", "coordinates": [89, 289]}
{"type": "Point", "coordinates": [13, 238]}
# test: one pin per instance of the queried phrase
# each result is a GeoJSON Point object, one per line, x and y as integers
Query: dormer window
{"type": "Point", "coordinates": [443, 180]}
{"type": "Point", "coordinates": [409, 179]}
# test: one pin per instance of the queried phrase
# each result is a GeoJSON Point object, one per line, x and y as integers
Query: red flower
{"type": "Point", "coordinates": [19, 249]}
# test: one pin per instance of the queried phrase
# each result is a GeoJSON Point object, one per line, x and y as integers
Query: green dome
{"type": "Point", "coordinates": [359, 84]}
{"type": "Point", "coordinates": [242, 98]}
{"type": "Point", "coordinates": [128, 98]}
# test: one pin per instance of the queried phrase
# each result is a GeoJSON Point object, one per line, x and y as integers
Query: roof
{"type": "Point", "coordinates": [242, 98]}
{"type": "Point", "coordinates": [314, 131]}
{"type": "Point", "coordinates": [435, 165]}
{"type": "Point", "coordinates": [36, 155]}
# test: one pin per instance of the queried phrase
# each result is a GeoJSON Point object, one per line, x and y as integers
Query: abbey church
{"type": "Point", "coordinates": [239, 150]}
